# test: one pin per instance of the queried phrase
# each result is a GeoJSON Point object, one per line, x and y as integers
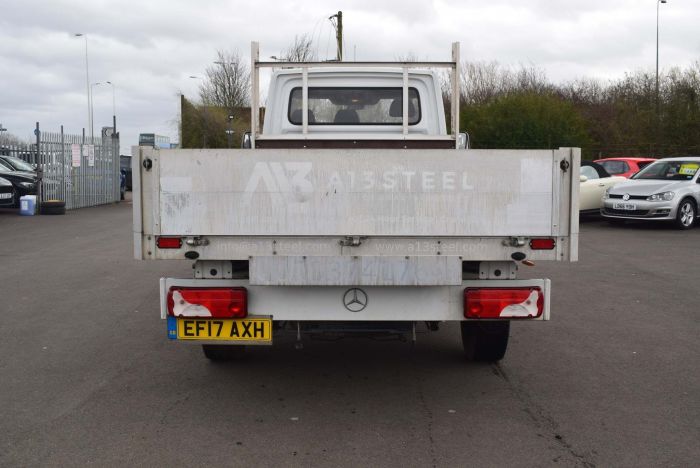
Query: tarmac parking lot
{"type": "Point", "coordinates": [87, 376]}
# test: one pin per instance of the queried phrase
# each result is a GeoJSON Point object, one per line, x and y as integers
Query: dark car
{"type": "Point", "coordinates": [6, 193]}
{"type": "Point", "coordinates": [23, 183]}
{"type": "Point", "coordinates": [17, 164]}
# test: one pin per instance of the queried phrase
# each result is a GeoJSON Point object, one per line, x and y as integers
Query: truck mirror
{"type": "Point", "coordinates": [246, 141]}
{"type": "Point", "coordinates": [582, 178]}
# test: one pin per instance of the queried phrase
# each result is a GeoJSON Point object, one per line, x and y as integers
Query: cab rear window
{"type": "Point", "coordinates": [354, 106]}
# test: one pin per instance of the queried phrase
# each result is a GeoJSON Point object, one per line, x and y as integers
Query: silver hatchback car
{"type": "Point", "coordinates": [666, 190]}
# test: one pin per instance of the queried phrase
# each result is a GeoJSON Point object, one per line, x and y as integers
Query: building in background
{"type": "Point", "coordinates": [156, 141]}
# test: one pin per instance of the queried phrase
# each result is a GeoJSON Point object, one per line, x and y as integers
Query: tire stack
{"type": "Point", "coordinates": [53, 207]}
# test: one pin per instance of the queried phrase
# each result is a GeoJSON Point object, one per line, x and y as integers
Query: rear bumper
{"type": "Point", "coordinates": [383, 303]}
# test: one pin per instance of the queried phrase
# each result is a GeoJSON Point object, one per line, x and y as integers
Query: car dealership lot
{"type": "Point", "coordinates": [87, 375]}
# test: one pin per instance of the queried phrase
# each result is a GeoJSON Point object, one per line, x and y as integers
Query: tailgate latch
{"type": "Point", "coordinates": [196, 241]}
{"type": "Point", "coordinates": [351, 241]}
{"type": "Point", "coordinates": [514, 242]}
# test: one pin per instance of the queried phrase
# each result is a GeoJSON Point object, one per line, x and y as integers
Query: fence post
{"type": "Point", "coordinates": [80, 175]}
{"type": "Point", "coordinates": [64, 185]}
{"type": "Point", "coordinates": [39, 168]}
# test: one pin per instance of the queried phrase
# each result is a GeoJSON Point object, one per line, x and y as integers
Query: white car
{"type": "Point", "coordinates": [595, 180]}
{"type": "Point", "coordinates": [667, 190]}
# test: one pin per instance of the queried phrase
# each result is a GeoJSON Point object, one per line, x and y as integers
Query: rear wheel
{"type": "Point", "coordinates": [485, 341]}
{"type": "Point", "coordinates": [221, 353]}
{"type": "Point", "coordinates": [685, 216]}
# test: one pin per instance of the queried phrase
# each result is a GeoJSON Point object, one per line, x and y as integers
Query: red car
{"type": "Point", "coordinates": [624, 167]}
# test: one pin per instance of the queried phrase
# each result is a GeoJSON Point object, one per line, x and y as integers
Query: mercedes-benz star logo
{"type": "Point", "coordinates": [355, 299]}
{"type": "Point", "coordinates": [626, 197]}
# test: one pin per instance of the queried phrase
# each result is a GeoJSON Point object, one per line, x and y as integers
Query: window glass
{"type": "Point", "coordinates": [354, 106]}
{"type": "Point", "coordinates": [19, 164]}
{"type": "Point", "coordinates": [669, 170]}
{"type": "Point", "coordinates": [589, 172]}
{"type": "Point", "coordinates": [615, 167]}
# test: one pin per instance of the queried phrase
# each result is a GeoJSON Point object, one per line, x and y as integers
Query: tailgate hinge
{"type": "Point", "coordinates": [351, 241]}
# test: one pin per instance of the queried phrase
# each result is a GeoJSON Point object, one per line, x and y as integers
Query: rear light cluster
{"type": "Point", "coordinates": [169, 242]}
{"type": "Point", "coordinates": [542, 244]}
{"type": "Point", "coordinates": [208, 302]}
{"type": "Point", "coordinates": [493, 303]}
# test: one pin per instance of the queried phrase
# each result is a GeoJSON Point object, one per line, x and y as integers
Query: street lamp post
{"type": "Point", "coordinates": [114, 106]}
{"type": "Point", "coordinates": [87, 77]}
{"type": "Point", "coordinates": [114, 109]}
{"type": "Point", "coordinates": [658, 3]}
{"type": "Point", "coordinates": [92, 109]}
{"type": "Point", "coordinates": [229, 131]}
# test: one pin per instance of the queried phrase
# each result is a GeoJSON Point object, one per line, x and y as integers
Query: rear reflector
{"type": "Point", "coordinates": [542, 244]}
{"type": "Point", "coordinates": [492, 303]}
{"type": "Point", "coordinates": [208, 302]}
{"type": "Point", "coordinates": [169, 242]}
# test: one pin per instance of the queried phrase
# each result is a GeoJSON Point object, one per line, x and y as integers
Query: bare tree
{"type": "Point", "coordinates": [9, 139]}
{"type": "Point", "coordinates": [227, 82]}
{"type": "Point", "coordinates": [300, 51]}
{"type": "Point", "coordinates": [410, 56]}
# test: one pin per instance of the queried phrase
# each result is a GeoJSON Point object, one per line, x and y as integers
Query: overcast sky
{"type": "Point", "coordinates": [149, 48]}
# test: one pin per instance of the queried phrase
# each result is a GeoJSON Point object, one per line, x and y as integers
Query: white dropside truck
{"type": "Point", "coordinates": [353, 210]}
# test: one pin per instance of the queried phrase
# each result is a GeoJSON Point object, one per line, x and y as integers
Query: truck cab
{"type": "Point", "coordinates": [355, 101]}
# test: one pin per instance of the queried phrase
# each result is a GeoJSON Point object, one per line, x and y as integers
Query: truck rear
{"type": "Point", "coordinates": [353, 211]}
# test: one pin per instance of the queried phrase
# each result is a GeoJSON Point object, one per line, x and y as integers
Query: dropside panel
{"type": "Point", "coordinates": [361, 192]}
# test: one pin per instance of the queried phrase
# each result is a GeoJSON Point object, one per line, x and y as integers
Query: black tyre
{"type": "Point", "coordinates": [221, 353]}
{"type": "Point", "coordinates": [685, 216]}
{"type": "Point", "coordinates": [485, 341]}
{"type": "Point", "coordinates": [53, 207]}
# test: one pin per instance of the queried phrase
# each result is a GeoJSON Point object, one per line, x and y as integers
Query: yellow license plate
{"type": "Point", "coordinates": [253, 329]}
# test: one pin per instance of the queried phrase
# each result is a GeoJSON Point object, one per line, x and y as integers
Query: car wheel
{"type": "Point", "coordinates": [221, 353]}
{"type": "Point", "coordinates": [53, 207]}
{"type": "Point", "coordinates": [685, 215]}
{"type": "Point", "coordinates": [485, 341]}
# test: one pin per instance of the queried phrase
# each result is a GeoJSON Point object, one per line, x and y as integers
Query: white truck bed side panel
{"type": "Point", "coordinates": [355, 192]}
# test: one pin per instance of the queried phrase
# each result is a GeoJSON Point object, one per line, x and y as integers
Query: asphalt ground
{"type": "Point", "coordinates": [87, 376]}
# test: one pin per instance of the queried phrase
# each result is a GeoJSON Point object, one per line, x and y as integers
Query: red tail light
{"type": "Point", "coordinates": [492, 303]}
{"type": "Point", "coordinates": [169, 242]}
{"type": "Point", "coordinates": [542, 244]}
{"type": "Point", "coordinates": [208, 302]}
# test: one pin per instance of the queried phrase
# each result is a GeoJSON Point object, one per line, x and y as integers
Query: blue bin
{"type": "Point", "coordinates": [27, 205]}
